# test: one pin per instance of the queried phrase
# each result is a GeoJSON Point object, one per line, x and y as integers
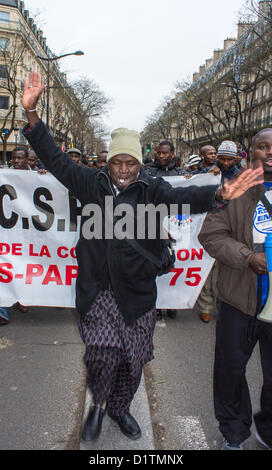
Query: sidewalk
{"type": "Point", "coordinates": [43, 388]}
{"type": "Point", "coordinates": [42, 380]}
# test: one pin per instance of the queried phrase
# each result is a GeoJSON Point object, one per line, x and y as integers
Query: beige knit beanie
{"type": "Point", "coordinates": [126, 142]}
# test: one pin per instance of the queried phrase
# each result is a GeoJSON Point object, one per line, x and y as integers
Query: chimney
{"type": "Point", "coordinates": [195, 76]}
{"type": "Point", "coordinates": [228, 43]}
{"type": "Point", "coordinates": [242, 28]}
{"type": "Point", "coordinates": [217, 54]}
{"type": "Point", "coordinates": [209, 62]}
{"type": "Point", "coordinates": [202, 69]}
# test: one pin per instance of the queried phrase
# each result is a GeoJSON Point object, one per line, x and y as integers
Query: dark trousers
{"type": "Point", "coordinates": [236, 337]}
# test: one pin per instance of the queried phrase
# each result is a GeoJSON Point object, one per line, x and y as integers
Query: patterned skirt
{"type": "Point", "coordinates": [103, 330]}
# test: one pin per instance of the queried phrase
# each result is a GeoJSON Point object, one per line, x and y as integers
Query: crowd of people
{"type": "Point", "coordinates": [224, 161]}
{"type": "Point", "coordinates": [116, 284]}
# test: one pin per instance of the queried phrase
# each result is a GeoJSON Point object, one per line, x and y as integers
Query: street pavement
{"type": "Point", "coordinates": [43, 388]}
{"type": "Point", "coordinates": [43, 396]}
{"type": "Point", "coordinates": [42, 380]}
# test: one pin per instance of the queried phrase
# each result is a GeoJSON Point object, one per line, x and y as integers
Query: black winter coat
{"type": "Point", "coordinates": [132, 276]}
{"type": "Point", "coordinates": [172, 170]}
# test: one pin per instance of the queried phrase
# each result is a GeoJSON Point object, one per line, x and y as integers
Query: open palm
{"type": "Point", "coordinates": [236, 188]}
{"type": "Point", "coordinates": [33, 89]}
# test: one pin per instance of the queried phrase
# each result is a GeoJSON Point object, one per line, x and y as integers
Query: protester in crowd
{"type": "Point", "coordinates": [165, 164]}
{"type": "Point", "coordinates": [33, 160]}
{"type": "Point", "coordinates": [238, 158]}
{"type": "Point", "coordinates": [19, 159]}
{"type": "Point", "coordinates": [101, 160]}
{"type": "Point", "coordinates": [115, 290]}
{"type": "Point", "coordinates": [75, 155]}
{"type": "Point", "coordinates": [91, 161]}
{"type": "Point", "coordinates": [208, 155]}
{"type": "Point", "coordinates": [192, 166]}
{"type": "Point", "coordinates": [226, 157]}
{"type": "Point", "coordinates": [235, 237]}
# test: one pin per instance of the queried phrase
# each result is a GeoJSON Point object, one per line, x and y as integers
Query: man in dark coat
{"type": "Point", "coordinates": [116, 286]}
{"type": "Point", "coordinates": [165, 162]}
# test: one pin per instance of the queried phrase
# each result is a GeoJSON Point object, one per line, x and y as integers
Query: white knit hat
{"type": "Point", "coordinates": [125, 141]}
{"type": "Point", "coordinates": [193, 160]}
{"type": "Point", "coordinates": [227, 148]}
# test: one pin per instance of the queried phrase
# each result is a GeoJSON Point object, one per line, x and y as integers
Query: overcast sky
{"type": "Point", "coordinates": [135, 50]}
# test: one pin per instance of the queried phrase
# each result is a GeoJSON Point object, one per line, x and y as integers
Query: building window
{"type": "Point", "coordinates": [255, 118]}
{"type": "Point", "coordinates": [3, 71]}
{"type": "Point", "coordinates": [256, 94]}
{"type": "Point", "coordinates": [262, 116]}
{"type": "Point", "coordinates": [4, 44]}
{"type": "Point", "coordinates": [4, 16]}
{"type": "Point", "coordinates": [4, 102]}
{"type": "Point", "coordinates": [264, 91]}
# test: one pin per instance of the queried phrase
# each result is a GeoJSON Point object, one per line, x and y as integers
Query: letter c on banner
{"type": "Point", "coordinates": [7, 190]}
{"type": "Point", "coordinates": [60, 250]}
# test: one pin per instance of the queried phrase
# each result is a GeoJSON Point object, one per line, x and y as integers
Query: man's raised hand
{"type": "Point", "coordinates": [237, 187]}
{"type": "Point", "coordinates": [33, 89]}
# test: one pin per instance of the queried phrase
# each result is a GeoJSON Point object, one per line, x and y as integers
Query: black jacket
{"type": "Point", "coordinates": [172, 170]}
{"type": "Point", "coordinates": [132, 276]}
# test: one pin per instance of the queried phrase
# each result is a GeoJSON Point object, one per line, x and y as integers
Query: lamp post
{"type": "Point", "coordinates": [48, 60]}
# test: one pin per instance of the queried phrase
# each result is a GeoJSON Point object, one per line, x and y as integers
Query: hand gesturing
{"type": "Point", "coordinates": [33, 89]}
{"type": "Point", "coordinates": [237, 187]}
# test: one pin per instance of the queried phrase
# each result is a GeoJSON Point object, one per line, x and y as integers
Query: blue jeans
{"type": "Point", "coordinates": [4, 313]}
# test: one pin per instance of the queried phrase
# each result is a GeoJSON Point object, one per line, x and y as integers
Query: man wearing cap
{"type": "Point", "coordinates": [116, 286]}
{"type": "Point", "coordinates": [226, 158]}
{"type": "Point", "coordinates": [75, 154]}
{"type": "Point", "coordinates": [193, 163]}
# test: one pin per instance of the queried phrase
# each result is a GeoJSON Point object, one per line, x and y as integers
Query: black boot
{"type": "Point", "coordinates": [93, 424]}
{"type": "Point", "coordinates": [128, 425]}
{"type": "Point", "coordinates": [171, 313]}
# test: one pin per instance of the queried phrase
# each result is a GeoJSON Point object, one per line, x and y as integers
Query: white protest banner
{"type": "Point", "coordinates": [180, 288]}
{"type": "Point", "coordinates": [39, 229]}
